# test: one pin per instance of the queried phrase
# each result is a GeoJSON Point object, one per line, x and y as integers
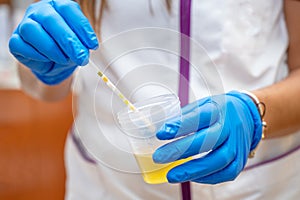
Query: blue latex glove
{"type": "Point", "coordinates": [228, 126]}
{"type": "Point", "coordinates": [53, 38]}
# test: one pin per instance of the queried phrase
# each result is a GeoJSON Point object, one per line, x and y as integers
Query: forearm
{"type": "Point", "coordinates": [282, 106]}
{"type": "Point", "coordinates": [282, 99]}
{"type": "Point", "coordinates": [35, 88]}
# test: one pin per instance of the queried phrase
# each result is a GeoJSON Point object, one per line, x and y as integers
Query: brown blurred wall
{"type": "Point", "coordinates": [32, 136]}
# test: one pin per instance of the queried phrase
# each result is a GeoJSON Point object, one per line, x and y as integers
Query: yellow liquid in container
{"type": "Point", "coordinates": [154, 173]}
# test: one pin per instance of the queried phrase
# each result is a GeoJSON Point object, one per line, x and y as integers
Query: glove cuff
{"type": "Point", "coordinates": [54, 80]}
{"type": "Point", "coordinates": [257, 110]}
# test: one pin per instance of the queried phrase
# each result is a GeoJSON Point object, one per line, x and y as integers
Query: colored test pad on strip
{"type": "Point", "coordinates": [116, 91]}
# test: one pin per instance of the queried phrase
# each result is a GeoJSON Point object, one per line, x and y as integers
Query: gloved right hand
{"type": "Point", "coordinates": [53, 38]}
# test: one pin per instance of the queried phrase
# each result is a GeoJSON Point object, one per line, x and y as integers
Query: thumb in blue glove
{"type": "Point", "coordinates": [226, 126]}
{"type": "Point", "coordinates": [53, 38]}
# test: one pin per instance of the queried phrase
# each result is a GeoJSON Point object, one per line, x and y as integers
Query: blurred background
{"type": "Point", "coordinates": [32, 133]}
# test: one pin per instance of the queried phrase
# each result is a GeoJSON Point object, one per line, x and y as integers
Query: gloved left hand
{"type": "Point", "coordinates": [226, 126]}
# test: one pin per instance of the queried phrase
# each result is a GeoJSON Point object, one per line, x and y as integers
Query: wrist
{"type": "Point", "coordinates": [261, 108]}
{"type": "Point", "coordinates": [54, 79]}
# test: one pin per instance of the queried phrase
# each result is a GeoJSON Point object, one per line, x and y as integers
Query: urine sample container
{"type": "Point", "coordinates": [140, 126]}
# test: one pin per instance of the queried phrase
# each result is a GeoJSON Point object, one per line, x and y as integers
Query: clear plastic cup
{"type": "Point", "coordinates": [141, 126]}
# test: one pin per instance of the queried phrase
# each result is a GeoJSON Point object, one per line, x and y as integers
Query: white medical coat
{"type": "Point", "coordinates": [235, 44]}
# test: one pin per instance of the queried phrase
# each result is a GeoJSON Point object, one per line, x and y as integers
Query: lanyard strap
{"type": "Point", "coordinates": [183, 93]}
{"type": "Point", "coordinates": [185, 24]}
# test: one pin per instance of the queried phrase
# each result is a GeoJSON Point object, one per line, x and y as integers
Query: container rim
{"type": "Point", "coordinates": [166, 101]}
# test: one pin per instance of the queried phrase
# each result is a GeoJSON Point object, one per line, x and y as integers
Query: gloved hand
{"type": "Point", "coordinates": [53, 38]}
{"type": "Point", "coordinates": [226, 126]}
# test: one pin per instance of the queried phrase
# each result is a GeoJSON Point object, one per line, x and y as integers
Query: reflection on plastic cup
{"type": "Point", "coordinates": [141, 126]}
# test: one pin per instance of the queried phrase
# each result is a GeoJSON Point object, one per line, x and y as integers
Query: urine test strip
{"type": "Point", "coordinates": [116, 91]}
{"type": "Point", "coordinates": [113, 87]}
{"type": "Point", "coordinates": [123, 98]}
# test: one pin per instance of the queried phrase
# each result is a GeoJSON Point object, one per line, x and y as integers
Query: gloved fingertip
{"type": "Point", "coordinates": [83, 59]}
{"type": "Point", "coordinates": [168, 131]}
{"type": "Point", "coordinates": [176, 176]}
{"type": "Point", "coordinates": [172, 179]}
{"type": "Point", "coordinates": [94, 43]}
{"type": "Point", "coordinates": [159, 157]}
{"type": "Point", "coordinates": [165, 134]}
{"type": "Point", "coordinates": [95, 47]}
{"type": "Point", "coordinates": [13, 42]}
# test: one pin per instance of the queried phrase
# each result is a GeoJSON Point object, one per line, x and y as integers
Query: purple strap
{"type": "Point", "coordinates": [273, 159]}
{"type": "Point", "coordinates": [185, 25]}
{"type": "Point", "coordinates": [82, 151]}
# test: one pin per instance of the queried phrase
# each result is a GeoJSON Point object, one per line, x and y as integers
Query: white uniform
{"type": "Point", "coordinates": [246, 42]}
